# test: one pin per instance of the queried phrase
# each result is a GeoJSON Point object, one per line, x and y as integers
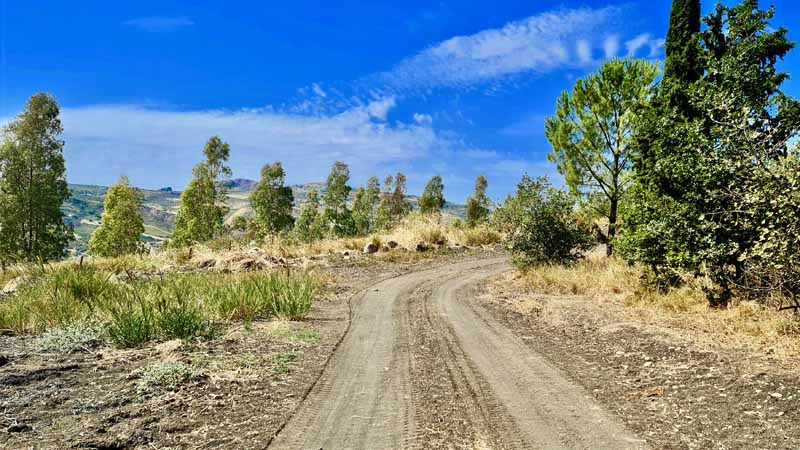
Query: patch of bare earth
{"type": "Point", "coordinates": [668, 385]}
{"type": "Point", "coordinates": [245, 384]}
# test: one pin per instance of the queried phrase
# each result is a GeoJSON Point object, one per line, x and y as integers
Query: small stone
{"type": "Point", "coordinates": [392, 244]}
{"type": "Point", "coordinates": [370, 248]}
{"type": "Point", "coordinates": [3, 360]}
{"type": "Point", "coordinates": [14, 285]}
{"type": "Point", "coordinates": [18, 428]}
{"type": "Point", "coordinates": [776, 395]}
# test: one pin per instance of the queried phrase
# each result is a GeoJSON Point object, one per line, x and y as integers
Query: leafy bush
{"type": "Point", "coordinates": [540, 225]}
{"type": "Point", "coordinates": [69, 338]}
{"type": "Point", "coordinates": [164, 376]}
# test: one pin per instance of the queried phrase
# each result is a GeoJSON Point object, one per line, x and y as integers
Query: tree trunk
{"type": "Point", "coordinates": [612, 226]}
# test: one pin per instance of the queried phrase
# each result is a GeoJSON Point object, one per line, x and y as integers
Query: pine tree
{"type": "Point", "coordinates": [121, 225]}
{"type": "Point", "coordinates": [272, 201]}
{"type": "Point", "coordinates": [33, 184]}
{"type": "Point", "coordinates": [591, 134]}
{"type": "Point", "coordinates": [306, 228]}
{"type": "Point", "coordinates": [478, 204]}
{"type": "Point", "coordinates": [202, 208]}
{"type": "Point", "coordinates": [337, 217]}
{"type": "Point", "coordinates": [432, 200]}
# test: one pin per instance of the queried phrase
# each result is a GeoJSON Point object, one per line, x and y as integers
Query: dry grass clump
{"type": "Point", "coordinates": [594, 276]}
{"type": "Point", "coordinates": [683, 310]}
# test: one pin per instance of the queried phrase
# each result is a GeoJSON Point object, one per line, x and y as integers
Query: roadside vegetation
{"type": "Point", "coordinates": [75, 304]}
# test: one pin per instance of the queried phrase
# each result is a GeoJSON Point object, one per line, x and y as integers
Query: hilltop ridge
{"type": "Point", "coordinates": [84, 209]}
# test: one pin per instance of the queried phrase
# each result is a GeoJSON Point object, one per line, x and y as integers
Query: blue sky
{"type": "Point", "coordinates": [456, 88]}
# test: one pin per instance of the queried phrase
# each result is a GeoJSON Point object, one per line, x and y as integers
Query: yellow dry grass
{"type": "Point", "coordinates": [613, 288]}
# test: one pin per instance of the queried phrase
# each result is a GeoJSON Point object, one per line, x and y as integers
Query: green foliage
{"type": "Point", "coordinates": [432, 200]}
{"type": "Point", "coordinates": [478, 204]}
{"type": "Point", "coordinates": [775, 206]}
{"type": "Point", "coordinates": [202, 207]}
{"type": "Point", "coordinates": [166, 376]}
{"type": "Point", "coordinates": [540, 225]}
{"type": "Point", "coordinates": [307, 228]}
{"type": "Point", "coordinates": [591, 133]}
{"type": "Point", "coordinates": [69, 338]}
{"type": "Point", "coordinates": [122, 224]}
{"type": "Point", "coordinates": [700, 172]}
{"type": "Point", "coordinates": [683, 61]}
{"type": "Point", "coordinates": [337, 219]}
{"type": "Point", "coordinates": [289, 298]}
{"type": "Point", "coordinates": [179, 315]}
{"type": "Point", "coordinates": [393, 204]}
{"type": "Point", "coordinates": [365, 204]}
{"type": "Point", "coordinates": [33, 184]}
{"type": "Point", "coordinates": [132, 322]}
{"type": "Point", "coordinates": [283, 361]}
{"type": "Point", "coordinates": [272, 201]}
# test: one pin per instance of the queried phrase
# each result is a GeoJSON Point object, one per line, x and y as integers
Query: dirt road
{"type": "Point", "coordinates": [423, 366]}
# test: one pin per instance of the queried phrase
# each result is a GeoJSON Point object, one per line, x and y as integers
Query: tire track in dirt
{"type": "Point", "coordinates": [423, 367]}
{"type": "Point", "coordinates": [363, 398]}
{"type": "Point", "coordinates": [548, 410]}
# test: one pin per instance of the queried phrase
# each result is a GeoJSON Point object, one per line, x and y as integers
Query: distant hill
{"type": "Point", "coordinates": [84, 209]}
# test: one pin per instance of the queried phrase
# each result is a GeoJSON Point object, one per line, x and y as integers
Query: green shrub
{"type": "Point", "coordinates": [132, 323]}
{"type": "Point", "coordinates": [238, 300]}
{"type": "Point", "coordinates": [540, 225]}
{"type": "Point", "coordinates": [178, 313]}
{"type": "Point", "coordinates": [69, 338]}
{"type": "Point", "coordinates": [289, 298]}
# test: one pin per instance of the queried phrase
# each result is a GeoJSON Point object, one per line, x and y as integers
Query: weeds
{"type": "Point", "coordinates": [601, 279]}
{"type": "Point", "coordinates": [282, 362]}
{"type": "Point", "coordinates": [132, 324]}
{"type": "Point", "coordinates": [70, 338]}
{"type": "Point", "coordinates": [289, 298]}
{"type": "Point", "coordinates": [167, 376]}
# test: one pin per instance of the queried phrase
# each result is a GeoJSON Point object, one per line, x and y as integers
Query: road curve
{"type": "Point", "coordinates": [367, 399]}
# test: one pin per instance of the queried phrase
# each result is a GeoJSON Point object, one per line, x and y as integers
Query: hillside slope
{"type": "Point", "coordinates": [84, 209]}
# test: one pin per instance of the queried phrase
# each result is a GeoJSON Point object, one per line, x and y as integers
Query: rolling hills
{"type": "Point", "coordinates": [84, 209]}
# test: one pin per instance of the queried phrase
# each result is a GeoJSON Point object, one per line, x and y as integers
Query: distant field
{"type": "Point", "coordinates": [84, 209]}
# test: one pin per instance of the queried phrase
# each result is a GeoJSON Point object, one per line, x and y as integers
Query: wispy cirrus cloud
{"type": "Point", "coordinates": [161, 146]}
{"type": "Point", "coordinates": [543, 43]}
{"type": "Point", "coordinates": [159, 23]}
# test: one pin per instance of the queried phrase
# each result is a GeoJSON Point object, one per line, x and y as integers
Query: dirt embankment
{"type": "Point", "coordinates": [672, 391]}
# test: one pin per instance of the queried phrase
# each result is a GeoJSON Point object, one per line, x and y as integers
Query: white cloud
{"type": "Point", "coordinates": [538, 44]}
{"type": "Point", "coordinates": [318, 90]}
{"type": "Point", "coordinates": [656, 45]}
{"type": "Point", "coordinates": [423, 119]}
{"type": "Point", "coordinates": [161, 146]}
{"type": "Point", "coordinates": [611, 46]}
{"type": "Point", "coordinates": [636, 43]}
{"type": "Point", "coordinates": [159, 23]}
{"type": "Point", "coordinates": [584, 51]}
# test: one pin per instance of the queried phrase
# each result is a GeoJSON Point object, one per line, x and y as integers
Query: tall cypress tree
{"type": "Point", "coordinates": [682, 56]}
